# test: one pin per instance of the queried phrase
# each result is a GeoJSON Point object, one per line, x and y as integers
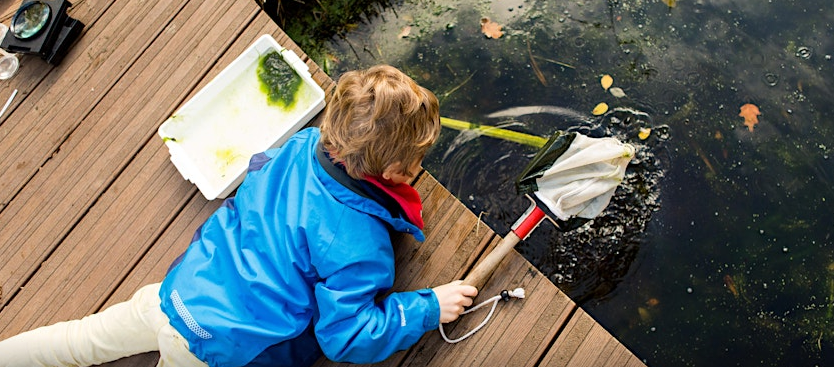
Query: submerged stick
{"type": "Point", "coordinates": [495, 132]}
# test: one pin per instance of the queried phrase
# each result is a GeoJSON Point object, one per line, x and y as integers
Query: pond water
{"type": "Point", "coordinates": [718, 248]}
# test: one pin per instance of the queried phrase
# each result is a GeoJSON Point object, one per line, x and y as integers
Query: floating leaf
{"type": "Point", "coordinates": [606, 81]}
{"type": "Point", "coordinates": [731, 285]}
{"type": "Point", "coordinates": [671, 3]}
{"type": "Point", "coordinates": [490, 28]}
{"type": "Point", "coordinates": [617, 92]}
{"type": "Point", "coordinates": [404, 32]}
{"type": "Point", "coordinates": [750, 113]}
{"type": "Point", "coordinates": [644, 313]}
{"type": "Point", "coordinates": [600, 109]}
{"type": "Point", "coordinates": [644, 133]}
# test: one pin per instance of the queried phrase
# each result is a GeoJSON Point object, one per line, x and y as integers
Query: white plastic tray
{"type": "Point", "coordinates": [214, 134]}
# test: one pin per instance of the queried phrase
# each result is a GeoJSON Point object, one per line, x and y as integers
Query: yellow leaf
{"type": "Point", "coordinates": [606, 81]}
{"type": "Point", "coordinates": [671, 3]}
{"type": "Point", "coordinates": [644, 313]}
{"type": "Point", "coordinates": [600, 109]}
{"type": "Point", "coordinates": [490, 28]}
{"type": "Point", "coordinates": [644, 133]}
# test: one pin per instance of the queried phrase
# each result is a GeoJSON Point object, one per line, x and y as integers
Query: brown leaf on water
{"type": "Point", "coordinates": [731, 285]}
{"type": "Point", "coordinates": [404, 32]}
{"type": "Point", "coordinates": [490, 28]}
{"type": "Point", "coordinates": [750, 113]}
{"type": "Point", "coordinates": [670, 3]}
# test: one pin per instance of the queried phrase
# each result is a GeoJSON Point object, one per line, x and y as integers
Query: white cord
{"type": "Point", "coordinates": [6, 106]}
{"type": "Point", "coordinates": [516, 293]}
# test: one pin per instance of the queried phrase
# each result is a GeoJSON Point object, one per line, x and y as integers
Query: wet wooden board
{"type": "Point", "coordinates": [91, 208]}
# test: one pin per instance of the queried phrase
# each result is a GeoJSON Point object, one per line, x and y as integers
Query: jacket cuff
{"type": "Point", "coordinates": [432, 319]}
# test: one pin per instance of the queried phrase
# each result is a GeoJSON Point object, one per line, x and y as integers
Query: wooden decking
{"type": "Point", "coordinates": [91, 207]}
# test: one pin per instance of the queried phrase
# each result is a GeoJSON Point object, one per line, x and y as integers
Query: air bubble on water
{"type": "Point", "coordinates": [803, 52]}
{"type": "Point", "coordinates": [771, 79]}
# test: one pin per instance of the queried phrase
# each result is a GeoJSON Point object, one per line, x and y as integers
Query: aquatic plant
{"type": "Point", "coordinates": [278, 80]}
{"type": "Point", "coordinates": [309, 23]}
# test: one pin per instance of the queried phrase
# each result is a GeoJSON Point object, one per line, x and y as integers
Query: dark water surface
{"type": "Point", "coordinates": [718, 248]}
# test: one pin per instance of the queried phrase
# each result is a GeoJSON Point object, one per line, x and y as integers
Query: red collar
{"type": "Point", "coordinates": [405, 195]}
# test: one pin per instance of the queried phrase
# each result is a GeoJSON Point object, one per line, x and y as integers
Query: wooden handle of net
{"type": "Point", "coordinates": [479, 275]}
{"type": "Point", "coordinates": [529, 221]}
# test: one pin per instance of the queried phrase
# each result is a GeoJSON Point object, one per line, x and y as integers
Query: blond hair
{"type": "Point", "coordinates": [377, 118]}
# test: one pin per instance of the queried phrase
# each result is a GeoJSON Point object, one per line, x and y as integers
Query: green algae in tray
{"type": "Point", "coordinates": [212, 136]}
{"type": "Point", "coordinates": [278, 80]}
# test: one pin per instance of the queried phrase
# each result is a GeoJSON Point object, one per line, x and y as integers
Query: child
{"type": "Point", "coordinates": [292, 265]}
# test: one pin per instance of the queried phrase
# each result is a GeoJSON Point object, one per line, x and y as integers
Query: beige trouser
{"type": "Point", "coordinates": [132, 327]}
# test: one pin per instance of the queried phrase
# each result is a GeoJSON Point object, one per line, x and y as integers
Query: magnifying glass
{"type": "Point", "coordinates": [30, 19]}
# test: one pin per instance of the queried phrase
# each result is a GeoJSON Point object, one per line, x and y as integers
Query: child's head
{"type": "Point", "coordinates": [379, 119]}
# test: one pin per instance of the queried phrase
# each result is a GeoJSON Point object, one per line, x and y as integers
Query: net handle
{"type": "Point", "coordinates": [526, 224]}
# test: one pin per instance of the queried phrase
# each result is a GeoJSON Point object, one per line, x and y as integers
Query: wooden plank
{"type": "Point", "coordinates": [33, 70]}
{"type": "Point", "coordinates": [92, 260]}
{"type": "Point", "coordinates": [52, 111]}
{"type": "Point", "coordinates": [519, 331]}
{"type": "Point", "coordinates": [569, 341]}
{"type": "Point", "coordinates": [41, 214]}
{"type": "Point", "coordinates": [584, 342]}
{"type": "Point", "coordinates": [453, 235]}
{"type": "Point", "coordinates": [111, 131]}
{"type": "Point", "coordinates": [592, 350]}
{"type": "Point", "coordinates": [621, 356]}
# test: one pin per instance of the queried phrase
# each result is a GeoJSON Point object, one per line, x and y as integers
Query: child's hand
{"type": "Point", "coordinates": [453, 297]}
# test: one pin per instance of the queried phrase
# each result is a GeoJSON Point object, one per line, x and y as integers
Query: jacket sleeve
{"type": "Point", "coordinates": [353, 326]}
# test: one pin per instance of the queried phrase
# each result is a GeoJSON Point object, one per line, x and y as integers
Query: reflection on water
{"type": "Point", "coordinates": [718, 249]}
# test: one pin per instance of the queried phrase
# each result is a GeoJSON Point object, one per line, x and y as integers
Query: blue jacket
{"type": "Point", "coordinates": [294, 254]}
